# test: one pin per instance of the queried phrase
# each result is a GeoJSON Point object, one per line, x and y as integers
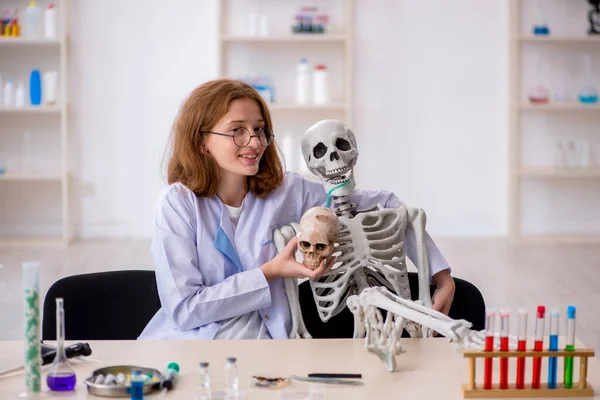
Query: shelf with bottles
{"type": "Point", "coordinates": [559, 39]}
{"type": "Point", "coordinates": [572, 159]}
{"type": "Point", "coordinates": [333, 38]}
{"type": "Point", "coordinates": [50, 109]}
{"type": "Point", "coordinates": [29, 25]}
{"type": "Point", "coordinates": [564, 92]}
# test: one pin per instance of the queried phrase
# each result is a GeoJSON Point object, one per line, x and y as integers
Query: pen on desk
{"type": "Point", "coordinates": [554, 323]}
{"type": "Point", "coordinates": [521, 346]}
{"type": "Point", "coordinates": [504, 331]}
{"type": "Point", "coordinates": [538, 346]}
{"type": "Point", "coordinates": [570, 346]}
{"type": "Point", "coordinates": [330, 375]}
{"type": "Point", "coordinates": [328, 380]}
{"type": "Point", "coordinates": [489, 346]}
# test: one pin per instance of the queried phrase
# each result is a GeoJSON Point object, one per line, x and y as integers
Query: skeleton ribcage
{"type": "Point", "coordinates": [370, 252]}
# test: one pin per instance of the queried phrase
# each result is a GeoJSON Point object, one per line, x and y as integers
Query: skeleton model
{"type": "Point", "coordinates": [371, 263]}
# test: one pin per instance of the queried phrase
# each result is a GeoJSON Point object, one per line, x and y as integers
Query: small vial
{"type": "Point", "coordinates": [204, 392]}
{"type": "Point", "coordinates": [232, 380]}
{"type": "Point", "coordinates": [137, 385]}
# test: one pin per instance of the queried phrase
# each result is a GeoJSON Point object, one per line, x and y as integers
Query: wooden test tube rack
{"type": "Point", "coordinates": [579, 389]}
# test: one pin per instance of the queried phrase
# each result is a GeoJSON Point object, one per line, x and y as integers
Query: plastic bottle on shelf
{"type": "Point", "coordinates": [35, 88]}
{"type": "Point", "coordinates": [302, 81]}
{"type": "Point", "coordinates": [50, 22]}
{"type": "Point", "coordinates": [8, 96]}
{"type": "Point", "coordinates": [33, 20]}
{"type": "Point", "coordinates": [20, 95]}
{"type": "Point", "coordinates": [321, 85]}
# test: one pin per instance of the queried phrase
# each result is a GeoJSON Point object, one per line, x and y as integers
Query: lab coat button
{"type": "Point", "coordinates": [267, 316]}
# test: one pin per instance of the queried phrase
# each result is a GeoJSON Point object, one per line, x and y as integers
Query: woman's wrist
{"type": "Point", "coordinates": [267, 270]}
{"type": "Point", "coordinates": [443, 278]}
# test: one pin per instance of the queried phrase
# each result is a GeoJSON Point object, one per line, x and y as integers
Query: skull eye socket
{"type": "Point", "coordinates": [320, 150]}
{"type": "Point", "coordinates": [320, 246]}
{"type": "Point", "coordinates": [343, 144]}
{"type": "Point", "coordinates": [304, 244]}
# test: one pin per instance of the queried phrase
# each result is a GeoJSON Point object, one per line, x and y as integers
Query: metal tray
{"type": "Point", "coordinates": [120, 391]}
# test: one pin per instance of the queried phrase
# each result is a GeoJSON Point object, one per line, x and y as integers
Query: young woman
{"type": "Point", "coordinates": [218, 272]}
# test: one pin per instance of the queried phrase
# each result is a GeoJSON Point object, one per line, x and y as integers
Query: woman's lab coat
{"type": "Point", "coordinates": [206, 272]}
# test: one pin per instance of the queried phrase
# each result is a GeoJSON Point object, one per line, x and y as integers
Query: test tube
{"type": "Point", "coordinates": [489, 346]}
{"type": "Point", "coordinates": [570, 346]}
{"type": "Point", "coordinates": [538, 346]}
{"type": "Point", "coordinates": [504, 333]}
{"type": "Point", "coordinates": [552, 361]}
{"type": "Point", "coordinates": [521, 346]}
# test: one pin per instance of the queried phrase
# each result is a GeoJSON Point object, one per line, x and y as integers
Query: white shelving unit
{"type": "Point", "coordinates": [519, 107]}
{"type": "Point", "coordinates": [54, 118]}
{"type": "Point", "coordinates": [285, 112]}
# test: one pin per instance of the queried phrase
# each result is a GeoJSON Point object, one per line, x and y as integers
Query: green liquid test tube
{"type": "Point", "coordinates": [570, 347]}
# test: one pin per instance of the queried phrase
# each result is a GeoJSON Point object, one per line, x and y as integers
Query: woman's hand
{"type": "Point", "coordinates": [444, 294]}
{"type": "Point", "coordinates": [284, 265]}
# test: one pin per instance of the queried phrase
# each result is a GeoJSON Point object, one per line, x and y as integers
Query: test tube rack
{"type": "Point", "coordinates": [579, 389]}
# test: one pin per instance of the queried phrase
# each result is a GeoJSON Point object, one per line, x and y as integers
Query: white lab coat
{"type": "Point", "coordinates": [206, 272]}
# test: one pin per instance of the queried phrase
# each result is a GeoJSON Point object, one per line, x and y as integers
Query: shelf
{"type": "Point", "coordinates": [23, 41]}
{"type": "Point", "coordinates": [31, 242]}
{"type": "Point", "coordinates": [560, 39]}
{"type": "Point", "coordinates": [33, 176]}
{"type": "Point", "coordinates": [31, 110]}
{"type": "Point", "coordinates": [314, 107]}
{"type": "Point", "coordinates": [553, 239]}
{"type": "Point", "coordinates": [285, 39]}
{"type": "Point", "coordinates": [574, 106]}
{"type": "Point", "coordinates": [556, 173]}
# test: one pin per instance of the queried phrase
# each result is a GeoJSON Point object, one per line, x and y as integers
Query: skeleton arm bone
{"type": "Point", "coordinates": [281, 237]}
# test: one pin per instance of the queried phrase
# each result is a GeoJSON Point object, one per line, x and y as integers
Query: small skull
{"type": "Point", "coordinates": [319, 229]}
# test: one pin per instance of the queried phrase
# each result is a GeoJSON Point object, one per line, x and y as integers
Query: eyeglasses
{"type": "Point", "coordinates": [242, 137]}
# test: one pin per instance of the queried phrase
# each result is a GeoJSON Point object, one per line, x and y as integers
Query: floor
{"type": "Point", "coordinates": [508, 276]}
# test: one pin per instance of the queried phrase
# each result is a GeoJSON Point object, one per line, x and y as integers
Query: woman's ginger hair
{"type": "Point", "coordinates": [191, 165]}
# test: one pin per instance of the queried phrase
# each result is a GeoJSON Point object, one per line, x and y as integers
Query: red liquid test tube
{"type": "Point", "coordinates": [521, 346]}
{"type": "Point", "coordinates": [539, 346]}
{"type": "Point", "coordinates": [504, 333]}
{"type": "Point", "coordinates": [489, 346]}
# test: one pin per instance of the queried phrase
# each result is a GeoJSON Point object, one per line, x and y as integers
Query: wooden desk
{"type": "Point", "coordinates": [431, 368]}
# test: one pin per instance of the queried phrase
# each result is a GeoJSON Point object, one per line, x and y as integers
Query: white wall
{"type": "Point", "coordinates": [130, 74]}
{"type": "Point", "coordinates": [431, 87]}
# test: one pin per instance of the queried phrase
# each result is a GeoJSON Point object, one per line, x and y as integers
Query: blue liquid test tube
{"type": "Point", "coordinates": [552, 361]}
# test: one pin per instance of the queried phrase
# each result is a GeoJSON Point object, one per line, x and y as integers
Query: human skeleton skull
{"type": "Point", "coordinates": [330, 152]}
{"type": "Point", "coordinates": [319, 229]}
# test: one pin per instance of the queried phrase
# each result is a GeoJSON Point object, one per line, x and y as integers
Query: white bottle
{"type": "Point", "coordinates": [205, 391]}
{"type": "Point", "coordinates": [321, 85]}
{"type": "Point", "coordinates": [302, 81]}
{"type": "Point", "coordinates": [33, 20]}
{"type": "Point", "coordinates": [9, 95]}
{"type": "Point", "coordinates": [253, 23]}
{"type": "Point", "coordinates": [263, 25]}
{"type": "Point", "coordinates": [20, 95]}
{"type": "Point", "coordinates": [50, 22]}
{"type": "Point", "coordinates": [232, 381]}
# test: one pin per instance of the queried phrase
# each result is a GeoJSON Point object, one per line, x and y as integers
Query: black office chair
{"type": "Point", "coordinates": [114, 305]}
{"type": "Point", "coordinates": [468, 304]}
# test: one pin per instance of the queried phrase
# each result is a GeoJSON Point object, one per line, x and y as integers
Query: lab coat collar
{"type": "Point", "coordinates": [224, 239]}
